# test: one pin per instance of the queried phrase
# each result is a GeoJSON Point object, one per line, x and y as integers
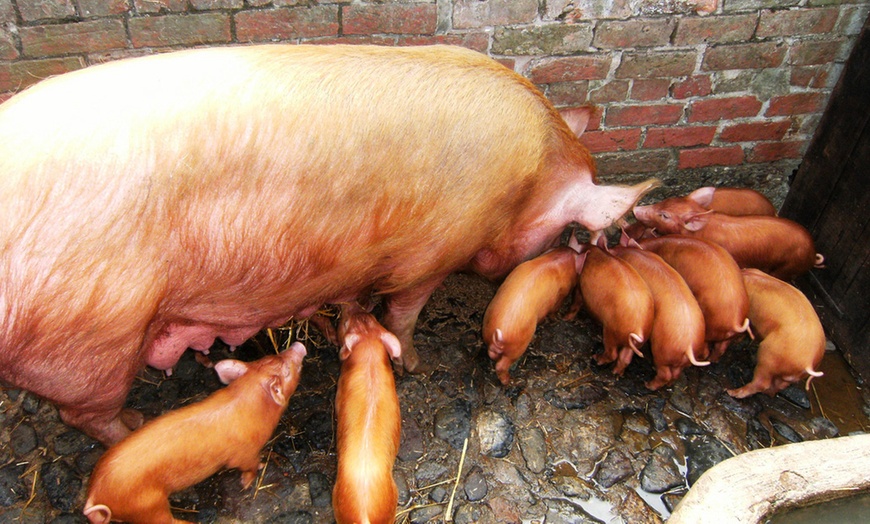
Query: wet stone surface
{"type": "Point", "coordinates": [567, 441]}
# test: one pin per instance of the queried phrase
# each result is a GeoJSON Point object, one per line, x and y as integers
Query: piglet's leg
{"type": "Point", "coordinates": [400, 317]}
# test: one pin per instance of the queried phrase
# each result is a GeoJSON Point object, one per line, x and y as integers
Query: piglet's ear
{"type": "Point", "coordinates": [277, 391]}
{"type": "Point", "coordinates": [350, 341]}
{"type": "Point", "coordinates": [391, 342]}
{"type": "Point", "coordinates": [229, 370]}
{"type": "Point", "coordinates": [703, 196]}
{"type": "Point", "coordinates": [695, 222]}
{"type": "Point", "coordinates": [580, 261]}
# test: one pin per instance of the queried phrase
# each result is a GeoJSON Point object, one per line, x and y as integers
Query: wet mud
{"type": "Point", "coordinates": [567, 441]}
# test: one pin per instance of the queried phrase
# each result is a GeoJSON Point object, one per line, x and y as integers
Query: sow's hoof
{"type": "Point", "coordinates": [132, 418]}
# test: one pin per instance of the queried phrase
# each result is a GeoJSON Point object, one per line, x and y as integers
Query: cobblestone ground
{"type": "Point", "coordinates": [566, 442]}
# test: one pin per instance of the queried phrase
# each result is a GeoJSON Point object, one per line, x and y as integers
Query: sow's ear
{"type": "Point", "coordinates": [229, 370]}
{"type": "Point", "coordinates": [577, 118]}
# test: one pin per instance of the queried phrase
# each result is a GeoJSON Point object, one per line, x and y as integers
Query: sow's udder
{"type": "Point", "coordinates": [176, 338]}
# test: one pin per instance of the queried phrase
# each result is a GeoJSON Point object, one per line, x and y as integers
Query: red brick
{"type": "Point", "coordinates": [33, 10]}
{"type": "Point", "coordinates": [650, 89]}
{"type": "Point", "coordinates": [814, 52]}
{"type": "Point", "coordinates": [475, 41]}
{"type": "Point", "coordinates": [755, 131]}
{"type": "Point", "coordinates": [568, 93]}
{"type": "Point", "coordinates": [286, 24]}
{"type": "Point", "coordinates": [8, 51]}
{"type": "Point", "coordinates": [79, 37]}
{"type": "Point", "coordinates": [657, 65]}
{"type": "Point", "coordinates": [160, 6]}
{"type": "Point", "coordinates": [798, 22]}
{"type": "Point", "coordinates": [772, 151]}
{"type": "Point", "coordinates": [587, 67]}
{"type": "Point", "coordinates": [23, 73]}
{"type": "Point", "coordinates": [710, 156]}
{"type": "Point", "coordinates": [657, 137]}
{"type": "Point", "coordinates": [810, 76]}
{"type": "Point", "coordinates": [5, 96]}
{"type": "Point", "coordinates": [744, 56]}
{"type": "Point", "coordinates": [384, 40]}
{"type": "Point", "coordinates": [724, 108]}
{"type": "Point", "coordinates": [795, 104]}
{"type": "Point", "coordinates": [644, 115]}
{"type": "Point", "coordinates": [611, 140]}
{"type": "Point", "coordinates": [640, 32]}
{"type": "Point", "coordinates": [371, 19]}
{"type": "Point", "coordinates": [630, 162]}
{"type": "Point", "coordinates": [212, 5]}
{"type": "Point", "coordinates": [715, 29]}
{"type": "Point", "coordinates": [614, 91]}
{"type": "Point", "coordinates": [693, 86]}
{"type": "Point", "coordinates": [157, 31]}
{"type": "Point", "coordinates": [468, 14]}
{"type": "Point", "coordinates": [91, 8]}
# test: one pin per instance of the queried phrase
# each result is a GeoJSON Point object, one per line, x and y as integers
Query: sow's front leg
{"type": "Point", "coordinates": [401, 311]}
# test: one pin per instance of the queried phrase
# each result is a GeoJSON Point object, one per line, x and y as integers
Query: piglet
{"type": "Point", "coordinates": [777, 246]}
{"type": "Point", "coordinates": [133, 480]}
{"type": "Point", "coordinates": [734, 201]}
{"type": "Point", "coordinates": [530, 292]}
{"type": "Point", "coordinates": [617, 297]}
{"type": "Point", "coordinates": [793, 340]}
{"type": "Point", "coordinates": [369, 421]}
{"type": "Point", "coordinates": [715, 280]}
{"type": "Point", "coordinates": [677, 337]}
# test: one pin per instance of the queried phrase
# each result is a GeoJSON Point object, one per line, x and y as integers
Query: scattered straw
{"type": "Point", "coordinates": [32, 489]}
{"type": "Point", "coordinates": [818, 400]}
{"type": "Point", "coordinates": [448, 515]}
{"type": "Point", "coordinates": [262, 474]}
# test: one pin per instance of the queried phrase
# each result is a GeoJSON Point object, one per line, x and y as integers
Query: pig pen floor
{"type": "Point", "coordinates": [566, 442]}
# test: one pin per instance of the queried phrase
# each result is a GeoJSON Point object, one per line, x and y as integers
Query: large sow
{"type": "Point", "coordinates": [153, 204]}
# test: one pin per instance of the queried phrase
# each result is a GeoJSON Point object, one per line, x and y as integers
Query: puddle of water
{"type": "Point", "coordinates": [654, 501]}
{"type": "Point", "coordinates": [838, 396]}
{"type": "Point", "coordinates": [854, 509]}
{"type": "Point", "coordinates": [600, 509]}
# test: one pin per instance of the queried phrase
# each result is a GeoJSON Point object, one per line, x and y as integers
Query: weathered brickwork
{"type": "Point", "coordinates": [680, 85]}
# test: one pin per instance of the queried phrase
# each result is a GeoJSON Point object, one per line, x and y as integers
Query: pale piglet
{"type": "Point", "coordinates": [715, 280]}
{"type": "Point", "coordinates": [778, 246]}
{"type": "Point", "coordinates": [613, 293]}
{"type": "Point", "coordinates": [734, 201]}
{"type": "Point", "coordinates": [792, 338]}
{"type": "Point", "coordinates": [677, 337]}
{"type": "Point", "coordinates": [530, 292]}
{"type": "Point", "coordinates": [133, 480]}
{"type": "Point", "coordinates": [369, 421]}
{"type": "Point", "coordinates": [212, 206]}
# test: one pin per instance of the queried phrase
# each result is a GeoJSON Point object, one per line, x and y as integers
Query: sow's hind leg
{"type": "Point", "coordinates": [101, 413]}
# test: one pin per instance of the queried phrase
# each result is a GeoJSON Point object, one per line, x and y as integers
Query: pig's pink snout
{"type": "Point", "coordinates": [642, 213]}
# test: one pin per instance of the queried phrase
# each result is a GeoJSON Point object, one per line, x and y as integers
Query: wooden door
{"type": "Point", "coordinates": [830, 195]}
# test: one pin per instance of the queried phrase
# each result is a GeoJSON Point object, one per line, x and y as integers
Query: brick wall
{"type": "Point", "coordinates": [692, 91]}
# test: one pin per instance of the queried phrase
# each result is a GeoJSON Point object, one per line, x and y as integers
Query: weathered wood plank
{"type": "Point", "coordinates": [749, 487]}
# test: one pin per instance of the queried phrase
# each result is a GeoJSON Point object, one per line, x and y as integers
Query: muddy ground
{"type": "Point", "coordinates": [566, 442]}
